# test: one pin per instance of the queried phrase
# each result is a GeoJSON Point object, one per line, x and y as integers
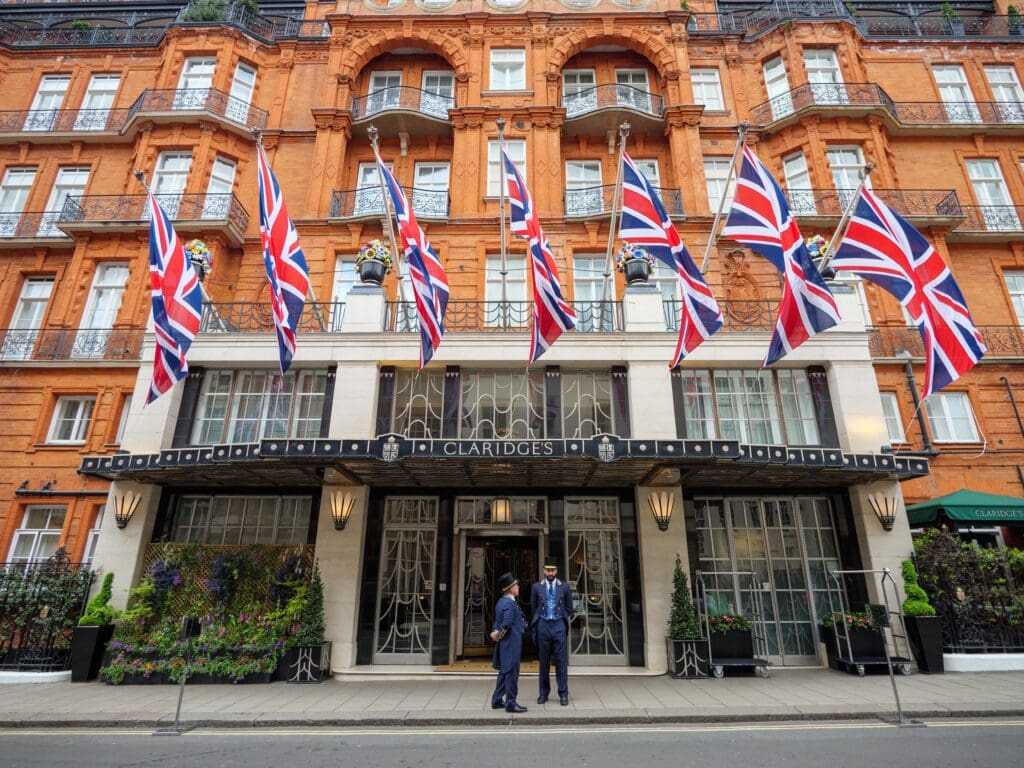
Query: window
{"type": "Point", "coordinates": [71, 419]}
{"type": "Point", "coordinates": [698, 404]}
{"type": "Point", "coordinates": [893, 423]}
{"type": "Point", "coordinates": [797, 407]}
{"type": "Point", "coordinates": [195, 83]}
{"type": "Point", "coordinates": [508, 69]}
{"type": "Point", "coordinates": [515, 313]}
{"type": "Point", "coordinates": [13, 193]}
{"type": "Point", "coordinates": [956, 94]}
{"type": "Point", "coordinates": [217, 203]}
{"type": "Point", "coordinates": [438, 93]}
{"type": "Point", "coordinates": [39, 534]}
{"type": "Point", "coordinates": [649, 168]}
{"type": "Point", "coordinates": [385, 92]}
{"type": "Point", "coordinates": [101, 310]}
{"type": "Point", "coordinates": [632, 89]}
{"type": "Point", "coordinates": [430, 190]}
{"type": "Point", "coordinates": [1006, 91]}
{"type": "Point", "coordinates": [991, 194]}
{"type": "Point", "coordinates": [94, 536]}
{"type": "Point", "coordinates": [746, 406]}
{"type": "Point", "coordinates": [707, 88]}
{"type": "Point", "coordinates": [368, 198]}
{"type": "Point", "coordinates": [777, 85]}
{"type": "Point", "coordinates": [42, 115]}
{"type": "Point", "coordinates": [27, 319]}
{"type": "Point", "coordinates": [798, 184]}
{"type": "Point", "coordinates": [588, 283]}
{"type": "Point", "coordinates": [70, 182]}
{"type": "Point", "coordinates": [169, 180]}
{"type": "Point", "coordinates": [344, 279]}
{"type": "Point", "coordinates": [667, 282]}
{"type": "Point", "coordinates": [242, 87]}
{"type": "Point", "coordinates": [99, 98]}
{"type": "Point", "coordinates": [824, 75]}
{"type": "Point", "coordinates": [242, 520]}
{"type": "Point", "coordinates": [248, 406]}
{"type": "Point", "coordinates": [716, 171]}
{"type": "Point", "coordinates": [516, 151]}
{"type": "Point", "coordinates": [579, 91]}
{"type": "Point", "coordinates": [1015, 285]}
{"type": "Point", "coordinates": [950, 417]}
{"type": "Point", "coordinates": [126, 407]}
{"type": "Point", "coordinates": [584, 194]}
{"type": "Point", "coordinates": [847, 164]}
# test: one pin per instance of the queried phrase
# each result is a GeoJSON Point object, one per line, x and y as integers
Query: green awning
{"type": "Point", "coordinates": [969, 507]}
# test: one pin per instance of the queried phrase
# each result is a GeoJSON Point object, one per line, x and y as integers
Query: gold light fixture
{"type": "Point", "coordinates": [342, 504]}
{"type": "Point", "coordinates": [125, 504]}
{"type": "Point", "coordinates": [885, 509]}
{"type": "Point", "coordinates": [501, 511]}
{"type": "Point", "coordinates": [661, 507]}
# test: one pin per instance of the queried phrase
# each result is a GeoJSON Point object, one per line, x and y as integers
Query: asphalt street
{"type": "Point", "coordinates": [953, 743]}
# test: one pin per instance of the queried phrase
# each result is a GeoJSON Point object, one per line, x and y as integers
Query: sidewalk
{"type": "Point", "coordinates": [790, 694]}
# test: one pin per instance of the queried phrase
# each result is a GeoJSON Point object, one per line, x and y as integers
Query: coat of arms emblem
{"type": "Point", "coordinates": [605, 450]}
{"type": "Point", "coordinates": [390, 450]}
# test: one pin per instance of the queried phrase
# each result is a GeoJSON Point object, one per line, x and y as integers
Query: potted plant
{"type": "Point", "coordinates": [373, 262]}
{"type": "Point", "coordinates": [687, 649]}
{"type": "Point", "coordinates": [89, 639]}
{"type": "Point", "coordinates": [952, 18]}
{"type": "Point", "coordinates": [731, 637]}
{"type": "Point", "coordinates": [924, 628]}
{"type": "Point", "coordinates": [634, 262]}
{"type": "Point", "coordinates": [1013, 20]}
{"type": "Point", "coordinates": [865, 640]}
{"type": "Point", "coordinates": [308, 660]}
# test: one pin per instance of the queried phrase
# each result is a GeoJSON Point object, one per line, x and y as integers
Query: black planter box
{"type": "Point", "coordinates": [864, 644]}
{"type": "Point", "coordinates": [687, 658]}
{"type": "Point", "coordinates": [636, 270]}
{"type": "Point", "coordinates": [88, 645]}
{"type": "Point", "coordinates": [733, 644]}
{"type": "Point", "coordinates": [372, 271]}
{"type": "Point", "coordinates": [305, 664]}
{"type": "Point", "coordinates": [924, 633]}
{"type": "Point", "coordinates": [157, 678]}
{"type": "Point", "coordinates": [204, 679]}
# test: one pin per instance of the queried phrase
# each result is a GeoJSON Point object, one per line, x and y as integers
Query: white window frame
{"type": "Point", "coordinates": [1014, 279]}
{"type": "Point", "coordinates": [776, 85]}
{"type": "Point", "coordinates": [243, 86]}
{"type": "Point", "coordinates": [581, 176]}
{"type": "Point", "coordinates": [955, 93]}
{"type": "Point", "coordinates": [846, 161]}
{"type": "Point", "coordinates": [707, 88]}
{"type": "Point", "coordinates": [825, 76]}
{"type": "Point", "coordinates": [515, 289]}
{"type": "Point", "coordinates": [507, 69]}
{"type": "Point", "coordinates": [1006, 92]}
{"type": "Point", "coordinates": [76, 410]}
{"type": "Point", "coordinates": [893, 420]}
{"type": "Point", "coordinates": [122, 422]}
{"type": "Point", "coordinates": [588, 294]}
{"type": "Point", "coordinates": [368, 194]}
{"type": "Point", "coordinates": [71, 181]}
{"type": "Point", "coordinates": [27, 319]}
{"type": "Point", "coordinates": [425, 189]}
{"type": "Point", "coordinates": [633, 88]}
{"type": "Point", "coordinates": [220, 187]}
{"type": "Point", "coordinates": [437, 97]}
{"type": "Point", "coordinates": [799, 188]}
{"type": "Point", "coordinates": [946, 426]}
{"type": "Point", "coordinates": [49, 532]}
{"type": "Point", "coordinates": [92, 539]}
{"type": "Point", "coordinates": [99, 98]}
{"type": "Point", "coordinates": [716, 169]}
{"type": "Point", "coordinates": [14, 193]}
{"type": "Point", "coordinates": [992, 195]}
{"type": "Point", "coordinates": [195, 83]}
{"type": "Point", "coordinates": [94, 330]}
{"type": "Point", "coordinates": [516, 151]}
{"type": "Point", "coordinates": [579, 91]}
{"type": "Point", "coordinates": [384, 91]}
{"type": "Point", "coordinates": [345, 279]}
{"type": "Point", "coordinates": [47, 103]}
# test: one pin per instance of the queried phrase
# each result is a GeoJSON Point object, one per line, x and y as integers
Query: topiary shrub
{"type": "Point", "coordinates": [311, 617]}
{"type": "Point", "coordinates": [916, 603]}
{"type": "Point", "coordinates": [682, 619]}
{"type": "Point", "coordinates": [97, 612]}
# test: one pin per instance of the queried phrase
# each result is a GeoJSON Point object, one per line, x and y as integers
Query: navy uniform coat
{"type": "Point", "coordinates": [538, 602]}
{"type": "Point", "coordinates": [508, 616]}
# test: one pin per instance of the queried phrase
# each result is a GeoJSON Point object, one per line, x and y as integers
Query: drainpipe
{"type": "Point", "coordinates": [1013, 402]}
{"type": "Point", "coordinates": [908, 368]}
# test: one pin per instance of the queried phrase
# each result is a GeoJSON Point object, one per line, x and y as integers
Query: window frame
{"type": "Point", "coordinates": [892, 417]}
{"type": "Point", "coordinates": [80, 424]}
{"type": "Point", "coordinates": [495, 170]}
{"type": "Point", "coordinates": [718, 102]}
{"type": "Point", "coordinates": [944, 398]}
{"type": "Point", "coordinates": [37, 533]}
{"type": "Point", "coordinates": [503, 82]}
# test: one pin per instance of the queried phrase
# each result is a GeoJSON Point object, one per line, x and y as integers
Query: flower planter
{"type": "Point", "coordinates": [687, 658]}
{"type": "Point", "coordinates": [372, 271]}
{"type": "Point", "coordinates": [637, 271]}
{"type": "Point", "coordinates": [157, 678]}
{"type": "Point", "coordinates": [305, 664]}
{"type": "Point", "coordinates": [88, 645]}
{"type": "Point", "coordinates": [732, 644]}
{"type": "Point", "coordinates": [924, 633]}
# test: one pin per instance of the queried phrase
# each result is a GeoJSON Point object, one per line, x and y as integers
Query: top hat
{"type": "Point", "coordinates": [506, 581]}
{"type": "Point", "coordinates": [550, 562]}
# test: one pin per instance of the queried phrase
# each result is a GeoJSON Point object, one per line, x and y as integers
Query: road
{"type": "Point", "coordinates": [957, 744]}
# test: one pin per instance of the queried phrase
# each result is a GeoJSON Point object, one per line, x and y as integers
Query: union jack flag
{"type": "Point", "coordinates": [552, 315]}
{"type": "Point", "coordinates": [177, 302]}
{"type": "Point", "coordinates": [883, 248]}
{"type": "Point", "coordinates": [645, 222]}
{"type": "Point", "coordinates": [287, 273]}
{"type": "Point", "coordinates": [759, 217]}
{"type": "Point", "coordinates": [426, 273]}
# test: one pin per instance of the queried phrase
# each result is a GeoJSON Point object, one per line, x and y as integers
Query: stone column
{"type": "Point", "coordinates": [121, 551]}
{"type": "Point", "coordinates": [364, 309]}
{"type": "Point", "coordinates": [642, 309]}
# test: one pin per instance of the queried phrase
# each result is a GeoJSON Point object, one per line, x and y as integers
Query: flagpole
{"type": "Point", "coordinates": [202, 289]}
{"type": "Point", "coordinates": [713, 237]}
{"type": "Point", "coordinates": [844, 221]}
{"type": "Point", "coordinates": [616, 194]}
{"type": "Point", "coordinates": [386, 199]}
{"type": "Point", "coordinates": [500, 123]}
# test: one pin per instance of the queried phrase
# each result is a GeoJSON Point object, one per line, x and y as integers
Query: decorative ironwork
{"type": "Point", "coordinates": [612, 95]}
{"type": "Point", "coordinates": [40, 602]}
{"type": "Point", "coordinates": [524, 512]}
{"type": "Point", "coordinates": [588, 407]}
{"type": "Point", "coordinates": [502, 405]}
{"type": "Point", "coordinates": [257, 317]}
{"type": "Point", "coordinates": [467, 316]}
{"type": "Point", "coordinates": [418, 403]}
{"type": "Point", "coordinates": [132, 209]}
{"type": "Point", "coordinates": [756, 315]}
{"type": "Point", "coordinates": [906, 202]}
{"type": "Point", "coordinates": [199, 100]}
{"type": "Point", "coordinates": [597, 201]}
{"type": "Point", "coordinates": [754, 22]}
{"type": "Point", "coordinates": [1001, 340]}
{"type": "Point", "coordinates": [939, 26]}
{"type": "Point", "coordinates": [992, 218]}
{"type": "Point", "coordinates": [402, 97]}
{"type": "Point", "coordinates": [63, 120]}
{"type": "Point", "coordinates": [952, 112]}
{"type": "Point", "coordinates": [30, 224]}
{"type": "Point", "coordinates": [368, 201]}
{"type": "Point", "coordinates": [71, 344]}
{"type": "Point", "coordinates": [817, 94]}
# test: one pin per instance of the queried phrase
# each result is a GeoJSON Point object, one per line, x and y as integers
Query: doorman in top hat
{"type": "Point", "coordinates": [551, 601]}
{"type": "Point", "coordinates": [507, 634]}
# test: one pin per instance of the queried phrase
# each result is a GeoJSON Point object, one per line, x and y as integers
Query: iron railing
{"type": "Point", "coordinates": [402, 97]}
{"type": "Point", "coordinates": [753, 22]}
{"type": "Point", "coordinates": [30, 224]}
{"type": "Point", "coordinates": [258, 317]}
{"type": "Point", "coordinates": [818, 94]}
{"type": "Point", "coordinates": [906, 202]}
{"type": "Point", "coordinates": [612, 95]}
{"type": "Point", "coordinates": [992, 218]}
{"type": "Point", "coordinates": [738, 315]}
{"type": "Point", "coordinates": [952, 112]}
{"type": "Point", "coordinates": [63, 120]}
{"type": "Point", "coordinates": [70, 344]}
{"type": "Point", "coordinates": [40, 603]}
{"type": "Point", "coordinates": [133, 208]}
{"type": "Point", "coordinates": [511, 316]}
{"type": "Point", "coordinates": [939, 26]}
{"type": "Point", "coordinates": [199, 100]}
{"type": "Point", "coordinates": [369, 201]}
{"type": "Point", "coordinates": [891, 341]}
{"type": "Point", "coordinates": [597, 201]}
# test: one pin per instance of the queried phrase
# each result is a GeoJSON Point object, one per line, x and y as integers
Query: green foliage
{"type": "Point", "coordinates": [217, 10]}
{"type": "Point", "coordinates": [949, 12]}
{"type": "Point", "coordinates": [45, 600]}
{"type": "Point", "coordinates": [853, 619]}
{"type": "Point", "coordinates": [682, 619]}
{"type": "Point", "coordinates": [311, 617]}
{"type": "Point", "coordinates": [80, 24]}
{"type": "Point", "coordinates": [684, 5]}
{"type": "Point", "coordinates": [916, 603]}
{"type": "Point", "coordinates": [250, 5]}
{"type": "Point", "coordinates": [97, 612]}
{"type": "Point", "coordinates": [851, 9]}
{"type": "Point", "coordinates": [726, 622]}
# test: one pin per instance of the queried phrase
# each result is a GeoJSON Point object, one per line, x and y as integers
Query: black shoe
{"type": "Point", "coordinates": [564, 701]}
{"type": "Point", "coordinates": [542, 699]}
{"type": "Point", "coordinates": [515, 708]}
{"type": "Point", "coordinates": [497, 705]}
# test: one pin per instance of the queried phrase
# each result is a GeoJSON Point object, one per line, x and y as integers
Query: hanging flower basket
{"type": "Point", "coordinates": [200, 256]}
{"type": "Point", "coordinates": [373, 262]}
{"type": "Point", "coordinates": [635, 263]}
{"type": "Point", "coordinates": [817, 247]}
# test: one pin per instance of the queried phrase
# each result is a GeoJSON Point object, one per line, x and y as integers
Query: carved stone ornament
{"type": "Point", "coordinates": [740, 285]}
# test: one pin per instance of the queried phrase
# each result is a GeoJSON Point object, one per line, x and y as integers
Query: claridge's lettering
{"type": "Point", "coordinates": [494, 448]}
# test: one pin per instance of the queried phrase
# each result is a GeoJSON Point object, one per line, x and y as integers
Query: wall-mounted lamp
{"type": "Point", "coordinates": [342, 504]}
{"type": "Point", "coordinates": [661, 507]}
{"type": "Point", "coordinates": [885, 509]}
{"type": "Point", "coordinates": [125, 504]}
{"type": "Point", "coordinates": [501, 511]}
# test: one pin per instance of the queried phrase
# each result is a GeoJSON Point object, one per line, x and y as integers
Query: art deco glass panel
{"type": "Point", "coordinates": [594, 565]}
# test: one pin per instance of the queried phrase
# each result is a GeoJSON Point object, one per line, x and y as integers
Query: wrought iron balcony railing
{"type": "Point", "coordinates": [949, 113]}
{"type": "Point", "coordinates": [597, 201]}
{"type": "Point", "coordinates": [738, 315]}
{"type": "Point", "coordinates": [906, 202]}
{"type": "Point", "coordinates": [70, 344]}
{"type": "Point", "coordinates": [402, 97]}
{"type": "Point", "coordinates": [30, 225]}
{"type": "Point", "coordinates": [820, 94]}
{"type": "Point", "coordinates": [768, 15]}
{"type": "Point", "coordinates": [887, 342]}
{"type": "Point", "coordinates": [939, 26]}
{"type": "Point", "coordinates": [132, 209]}
{"type": "Point", "coordinates": [369, 201]}
{"type": "Point", "coordinates": [257, 317]}
{"type": "Point", "coordinates": [992, 218]}
{"type": "Point", "coordinates": [607, 96]}
{"type": "Point", "coordinates": [63, 120]}
{"type": "Point", "coordinates": [208, 100]}
{"type": "Point", "coordinates": [509, 316]}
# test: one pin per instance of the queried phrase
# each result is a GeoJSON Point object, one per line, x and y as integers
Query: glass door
{"type": "Point", "coordinates": [385, 92]}
{"type": "Point", "coordinates": [195, 83]}
{"type": "Point", "coordinates": [632, 89]}
{"type": "Point", "coordinates": [242, 87]}
{"type": "Point", "coordinates": [593, 314]}
{"type": "Point", "coordinates": [583, 192]}
{"type": "Point", "coordinates": [847, 164]}
{"type": "Point", "coordinates": [579, 91]}
{"type": "Point", "coordinates": [1007, 93]}
{"type": "Point", "coordinates": [70, 182]}
{"type": "Point", "coordinates": [14, 189]}
{"type": "Point", "coordinates": [42, 115]}
{"type": "Point", "coordinates": [824, 76]}
{"type": "Point", "coordinates": [992, 195]}
{"type": "Point", "coordinates": [97, 103]}
{"type": "Point", "coordinates": [430, 190]}
{"type": "Point", "coordinates": [169, 181]}
{"type": "Point", "coordinates": [438, 93]}
{"type": "Point", "coordinates": [956, 94]}
{"type": "Point", "coordinates": [217, 204]}
{"type": "Point", "coordinates": [368, 195]}
{"type": "Point", "coordinates": [798, 184]}
{"type": "Point", "coordinates": [20, 339]}
{"type": "Point", "coordinates": [101, 310]}
{"type": "Point", "coordinates": [777, 85]}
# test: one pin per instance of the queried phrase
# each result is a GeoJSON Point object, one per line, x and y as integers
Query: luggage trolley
{"type": "Point", "coordinates": [754, 614]}
{"type": "Point", "coordinates": [886, 619]}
